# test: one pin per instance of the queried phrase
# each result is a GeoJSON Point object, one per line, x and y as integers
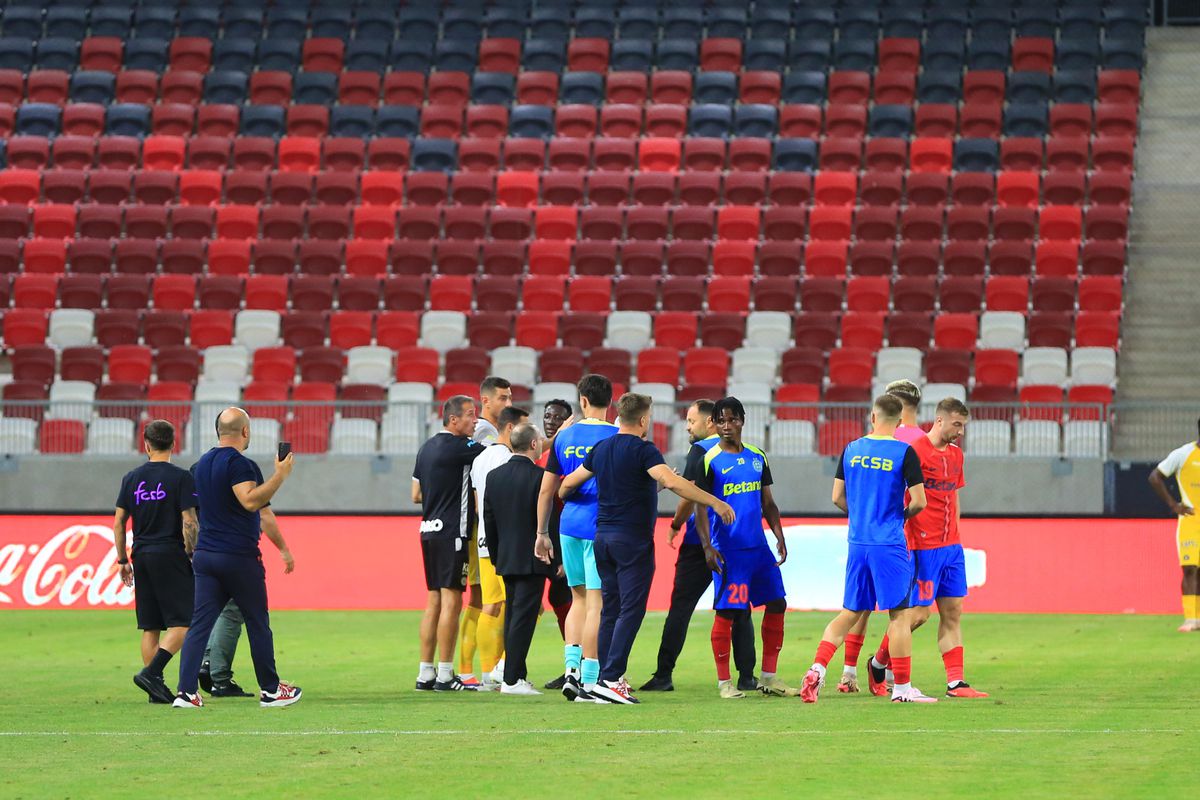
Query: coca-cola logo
{"type": "Point", "coordinates": [76, 566]}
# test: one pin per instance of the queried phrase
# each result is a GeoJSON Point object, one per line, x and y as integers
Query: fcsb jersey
{"type": "Point", "coordinates": [738, 479]}
{"type": "Point", "coordinates": [571, 447]}
{"type": "Point", "coordinates": [877, 471]}
{"type": "Point", "coordinates": [937, 524]}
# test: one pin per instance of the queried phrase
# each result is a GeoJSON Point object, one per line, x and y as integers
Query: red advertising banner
{"type": "Point", "coordinates": [1043, 566]}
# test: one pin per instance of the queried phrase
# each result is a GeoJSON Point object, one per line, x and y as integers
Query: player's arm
{"type": "Point", "coordinates": [771, 515]}
{"type": "Point", "coordinates": [572, 482]}
{"type": "Point", "coordinates": [120, 519]}
{"type": "Point", "coordinates": [839, 495]}
{"type": "Point", "coordinates": [1159, 484]}
{"type": "Point", "coordinates": [191, 530]}
{"type": "Point", "coordinates": [416, 491]}
{"type": "Point", "coordinates": [255, 496]}
{"type": "Point", "coordinates": [270, 529]}
{"type": "Point", "coordinates": [712, 556]}
{"type": "Point", "coordinates": [914, 479]}
{"type": "Point", "coordinates": [669, 479]}
{"type": "Point", "coordinates": [692, 470]}
{"type": "Point", "coordinates": [543, 546]}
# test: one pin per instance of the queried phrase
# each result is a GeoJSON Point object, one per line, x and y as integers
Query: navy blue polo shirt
{"type": "Point", "coordinates": [225, 525]}
{"type": "Point", "coordinates": [627, 496]}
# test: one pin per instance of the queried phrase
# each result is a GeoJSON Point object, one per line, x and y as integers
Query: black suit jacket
{"type": "Point", "coordinates": [510, 517]}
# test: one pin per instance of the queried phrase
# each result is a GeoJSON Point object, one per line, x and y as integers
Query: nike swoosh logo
{"type": "Point", "coordinates": [726, 470]}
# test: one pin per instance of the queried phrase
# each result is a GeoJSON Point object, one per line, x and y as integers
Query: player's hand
{"type": "Point", "coordinates": [781, 548]}
{"type": "Point", "coordinates": [671, 534]}
{"type": "Point", "coordinates": [715, 561]}
{"type": "Point", "coordinates": [543, 548]}
{"type": "Point", "coordinates": [566, 423]}
{"type": "Point", "coordinates": [1183, 511]}
{"type": "Point", "coordinates": [725, 512]}
{"type": "Point", "coordinates": [284, 467]}
{"type": "Point", "coordinates": [127, 574]}
{"type": "Point", "coordinates": [560, 572]}
{"type": "Point", "coordinates": [289, 563]}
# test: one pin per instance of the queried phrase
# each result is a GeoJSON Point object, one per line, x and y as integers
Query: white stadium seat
{"type": "Point", "coordinates": [792, 437]}
{"type": "Point", "coordinates": [71, 400]}
{"type": "Point", "coordinates": [771, 329]}
{"type": "Point", "coordinates": [443, 330]}
{"type": "Point", "coordinates": [399, 435]}
{"type": "Point", "coordinates": [1093, 365]}
{"type": "Point", "coordinates": [679, 438]}
{"type": "Point", "coordinates": [255, 328]}
{"type": "Point", "coordinates": [264, 437]}
{"type": "Point", "coordinates": [517, 364]}
{"type": "Point", "coordinates": [988, 437]}
{"type": "Point", "coordinates": [1002, 330]}
{"type": "Point", "coordinates": [226, 362]}
{"type": "Point", "coordinates": [545, 392]}
{"type": "Point", "coordinates": [369, 364]}
{"type": "Point", "coordinates": [353, 437]}
{"type": "Point", "coordinates": [18, 436]}
{"type": "Point", "coordinates": [71, 327]}
{"type": "Point", "coordinates": [934, 393]}
{"type": "Point", "coordinates": [1085, 439]}
{"type": "Point", "coordinates": [897, 364]}
{"type": "Point", "coordinates": [754, 365]}
{"type": "Point", "coordinates": [110, 436]}
{"type": "Point", "coordinates": [754, 432]}
{"type": "Point", "coordinates": [756, 398]}
{"type": "Point", "coordinates": [1044, 366]}
{"type": "Point", "coordinates": [629, 330]}
{"type": "Point", "coordinates": [660, 393]}
{"type": "Point", "coordinates": [406, 392]}
{"type": "Point", "coordinates": [1038, 437]}
{"type": "Point", "coordinates": [225, 393]}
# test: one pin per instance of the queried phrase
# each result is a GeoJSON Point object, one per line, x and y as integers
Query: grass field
{"type": "Point", "coordinates": [1081, 706]}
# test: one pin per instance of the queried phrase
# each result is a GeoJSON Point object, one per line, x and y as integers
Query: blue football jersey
{"type": "Point", "coordinates": [571, 447]}
{"type": "Point", "coordinates": [693, 470]}
{"type": "Point", "coordinates": [738, 479]}
{"type": "Point", "coordinates": [878, 471]}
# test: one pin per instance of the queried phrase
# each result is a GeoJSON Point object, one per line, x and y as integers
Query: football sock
{"type": "Point", "coordinates": [882, 656]}
{"type": "Point", "coordinates": [854, 644]}
{"type": "Point", "coordinates": [466, 640]}
{"type": "Point", "coordinates": [772, 641]}
{"type": "Point", "coordinates": [561, 613]}
{"type": "Point", "coordinates": [1191, 607]}
{"type": "Point", "coordinates": [426, 673]}
{"type": "Point", "coordinates": [572, 656]}
{"type": "Point", "coordinates": [445, 671]}
{"type": "Point", "coordinates": [722, 643]}
{"type": "Point", "coordinates": [591, 673]}
{"type": "Point", "coordinates": [825, 651]}
{"type": "Point", "coordinates": [902, 668]}
{"type": "Point", "coordinates": [490, 637]}
{"type": "Point", "coordinates": [953, 659]}
{"type": "Point", "coordinates": [156, 665]}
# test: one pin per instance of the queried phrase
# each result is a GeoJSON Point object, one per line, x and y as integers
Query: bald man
{"type": "Point", "coordinates": [227, 562]}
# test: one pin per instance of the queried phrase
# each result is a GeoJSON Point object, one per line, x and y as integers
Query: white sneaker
{"type": "Point", "coordinates": [184, 700]}
{"type": "Point", "coordinates": [911, 695]}
{"type": "Point", "coordinates": [497, 674]}
{"type": "Point", "coordinates": [521, 687]}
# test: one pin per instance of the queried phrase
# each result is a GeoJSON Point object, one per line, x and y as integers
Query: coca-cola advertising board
{"type": "Point", "coordinates": [1013, 565]}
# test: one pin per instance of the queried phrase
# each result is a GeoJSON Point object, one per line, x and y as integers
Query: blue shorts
{"type": "Point", "coordinates": [579, 562]}
{"type": "Point", "coordinates": [751, 578]}
{"type": "Point", "coordinates": [941, 572]}
{"type": "Point", "coordinates": [878, 575]}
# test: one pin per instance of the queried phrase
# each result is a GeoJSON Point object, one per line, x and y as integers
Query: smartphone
{"type": "Point", "coordinates": [284, 449]}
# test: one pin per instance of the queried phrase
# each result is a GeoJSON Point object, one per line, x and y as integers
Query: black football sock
{"type": "Point", "coordinates": [158, 663]}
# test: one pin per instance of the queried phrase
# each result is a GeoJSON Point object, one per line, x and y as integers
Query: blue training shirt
{"type": "Point", "coordinates": [628, 501]}
{"type": "Point", "coordinates": [738, 479]}
{"type": "Point", "coordinates": [878, 471]}
{"type": "Point", "coordinates": [571, 447]}
{"type": "Point", "coordinates": [225, 526]}
{"type": "Point", "coordinates": [693, 470]}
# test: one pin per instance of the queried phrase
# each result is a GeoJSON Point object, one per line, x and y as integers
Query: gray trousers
{"type": "Point", "coordinates": [223, 642]}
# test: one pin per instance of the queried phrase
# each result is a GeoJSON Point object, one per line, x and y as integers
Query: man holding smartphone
{"type": "Point", "coordinates": [228, 564]}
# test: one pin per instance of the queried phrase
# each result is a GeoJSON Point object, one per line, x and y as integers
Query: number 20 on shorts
{"type": "Point", "coordinates": [738, 593]}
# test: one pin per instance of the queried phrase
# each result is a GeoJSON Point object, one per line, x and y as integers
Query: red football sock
{"type": "Point", "coordinates": [902, 668]}
{"type": "Point", "coordinates": [953, 659]}
{"type": "Point", "coordinates": [882, 655]}
{"type": "Point", "coordinates": [854, 645]}
{"type": "Point", "coordinates": [772, 641]}
{"type": "Point", "coordinates": [561, 613]}
{"type": "Point", "coordinates": [825, 651]}
{"type": "Point", "coordinates": [722, 643]}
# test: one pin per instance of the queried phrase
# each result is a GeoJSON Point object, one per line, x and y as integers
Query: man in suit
{"type": "Point", "coordinates": [510, 526]}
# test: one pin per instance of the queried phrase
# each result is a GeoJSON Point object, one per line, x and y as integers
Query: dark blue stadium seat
{"type": "Point", "coordinates": [287, 21]}
{"type": "Point", "coordinates": [1028, 87]}
{"type": "Point", "coordinates": [1074, 86]}
{"type": "Point", "coordinates": [141, 52]}
{"type": "Point", "coordinates": [316, 88]}
{"type": "Point", "coordinates": [593, 22]}
{"type": "Point", "coordinates": [333, 22]}
{"type": "Point", "coordinates": [356, 122]}
{"type": "Point", "coordinates": [226, 86]}
{"type": "Point", "coordinates": [637, 22]}
{"type": "Point", "coordinates": [988, 53]}
{"type": "Point", "coordinates": [804, 86]}
{"type": "Point", "coordinates": [398, 121]}
{"type": "Point", "coordinates": [152, 21]}
{"type": "Point", "coordinates": [1077, 53]}
{"type": "Point", "coordinates": [944, 54]}
{"type": "Point", "coordinates": [725, 21]}
{"type": "Point", "coordinates": [976, 155]}
{"type": "Point", "coordinates": [1026, 119]}
{"type": "Point", "coordinates": [946, 23]}
{"type": "Point", "coordinates": [1080, 20]}
{"type": "Point", "coordinates": [939, 86]}
{"type": "Point", "coordinates": [494, 88]}
{"type": "Point", "coordinates": [367, 55]}
{"type": "Point", "coordinates": [755, 120]}
{"type": "Point", "coordinates": [586, 88]}
{"type": "Point", "coordinates": [857, 22]}
{"type": "Point", "coordinates": [991, 22]}
{"type": "Point", "coordinates": [111, 21]}
{"type": "Point", "coordinates": [371, 22]}
{"type": "Point", "coordinates": [682, 22]}
{"type": "Point", "coordinates": [462, 24]}
{"type": "Point", "coordinates": [90, 86]}
{"type": "Point", "coordinates": [23, 22]}
{"type": "Point", "coordinates": [417, 23]}
{"type": "Point", "coordinates": [854, 54]}
{"type": "Point", "coordinates": [236, 54]}
{"type": "Point", "coordinates": [455, 55]}
{"type": "Point", "coordinates": [902, 22]}
{"type": "Point", "coordinates": [715, 87]}
{"type": "Point", "coordinates": [812, 22]}
{"type": "Point", "coordinates": [263, 121]}
{"type": "Point", "coordinates": [506, 23]}
{"type": "Point", "coordinates": [1036, 20]}
{"type": "Point", "coordinates": [770, 22]}
{"type": "Point", "coordinates": [66, 21]}
{"type": "Point", "coordinates": [681, 54]}
{"type": "Point", "coordinates": [411, 55]}
{"type": "Point", "coordinates": [544, 55]}
{"type": "Point", "coordinates": [242, 21]}
{"type": "Point", "coordinates": [127, 119]}
{"type": "Point", "coordinates": [434, 155]}
{"type": "Point", "coordinates": [548, 22]}
{"type": "Point", "coordinates": [710, 120]}
{"type": "Point", "coordinates": [531, 122]}
{"type": "Point", "coordinates": [769, 55]}
{"type": "Point", "coordinates": [281, 55]}
{"type": "Point", "coordinates": [202, 21]}
{"type": "Point", "coordinates": [795, 155]}
{"type": "Point", "coordinates": [1122, 53]}
{"type": "Point", "coordinates": [1125, 23]}
{"type": "Point", "coordinates": [891, 121]}
{"type": "Point", "coordinates": [632, 55]}
{"type": "Point", "coordinates": [54, 53]}
{"type": "Point", "coordinates": [38, 119]}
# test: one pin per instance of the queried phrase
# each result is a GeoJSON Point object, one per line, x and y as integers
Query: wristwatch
{"type": "Point", "coordinates": [676, 528]}
{"type": "Point", "coordinates": [123, 562]}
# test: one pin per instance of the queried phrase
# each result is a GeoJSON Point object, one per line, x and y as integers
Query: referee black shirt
{"type": "Point", "coordinates": [443, 469]}
{"type": "Point", "coordinates": [155, 495]}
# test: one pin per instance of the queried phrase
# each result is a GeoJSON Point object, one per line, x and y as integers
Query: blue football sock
{"type": "Point", "coordinates": [591, 671]}
{"type": "Point", "coordinates": [572, 654]}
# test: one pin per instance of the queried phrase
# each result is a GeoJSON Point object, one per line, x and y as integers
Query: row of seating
{"type": "Point", "coordinates": [276, 87]}
{"type": "Point", "coordinates": [545, 330]}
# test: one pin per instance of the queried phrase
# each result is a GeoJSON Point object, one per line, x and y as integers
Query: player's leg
{"type": "Point", "coordinates": [854, 644]}
{"type": "Point", "coordinates": [858, 600]}
{"type": "Point", "coordinates": [222, 647]}
{"type": "Point", "coordinates": [246, 581]}
{"type": "Point", "coordinates": [149, 646]}
{"type": "Point", "coordinates": [745, 653]}
{"type": "Point", "coordinates": [426, 675]}
{"type": "Point", "coordinates": [897, 585]}
{"type": "Point", "coordinates": [950, 589]}
{"type": "Point", "coordinates": [610, 605]}
{"type": "Point", "coordinates": [1191, 598]}
{"type": "Point", "coordinates": [490, 633]}
{"type": "Point", "coordinates": [469, 629]}
{"type": "Point", "coordinates": [634, 560]}
{"type": "Point", "coordinates": [692, 577]}
{"type": "Point", "coordinates": [524, 598]}
{"type": "Point", "coordinates": [447, 634]}
{"type": "Point", "coordinates": [574, 576]}
{"type": "Point", "coordinates": [592, 652]}
{"type": "Point", "coordinates": [210, 597]}
{"type": "Point", "coordinates": [146, 607]}
{"type": "Point", "coordinates": [174, 590]}
{"type": "Point", "coordinates": [766, 589]}
{"type": "Point", "coordinates": [560, 598]}
{"type": "Point", "coordinates": [731, 602]}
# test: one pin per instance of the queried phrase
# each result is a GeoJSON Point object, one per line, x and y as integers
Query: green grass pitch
{"type": "Point", "coordinates": [1081, 706]}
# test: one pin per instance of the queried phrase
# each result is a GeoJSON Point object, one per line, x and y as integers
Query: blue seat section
{"type": "Point", "coordinates": [976, 155]}
{"type": "Point", "coordinates": [434, 155]}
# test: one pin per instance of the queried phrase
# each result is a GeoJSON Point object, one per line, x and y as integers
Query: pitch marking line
{"type": "Point", "coordinates": [635, 732]}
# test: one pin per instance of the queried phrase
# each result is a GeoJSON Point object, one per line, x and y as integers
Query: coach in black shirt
{"type": "Point", "coordinates": [442, 485]}
{"type": "Point", "coordinates": [161, 500]}
{"type": "Point", "coordinates": [510, 526]}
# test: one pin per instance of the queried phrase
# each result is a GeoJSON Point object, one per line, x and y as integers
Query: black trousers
{"type": "Point", "coordinates": [692, 579]}
{"type": "Point", "coordinates": [523, 601]}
